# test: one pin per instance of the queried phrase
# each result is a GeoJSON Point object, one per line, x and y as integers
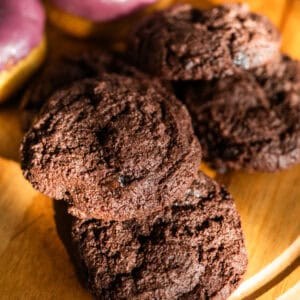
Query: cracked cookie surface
{"type": "Point", "coordinates": [191, 250]}
{"type": "Point", "coordinates": [63, 71]}
{"type": "Point", "coordinates": [113, 148]}
{"type": "Point", "coordinates": [189, 44]}
{"type": "Point", "coordinates": [249, 121]}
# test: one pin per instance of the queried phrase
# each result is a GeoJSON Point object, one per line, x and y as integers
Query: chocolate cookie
{"type": "Point", "coordinates": [249, 121]}
{"type": "Point", "coordinates": [113, 148]}
{"type": "Point", "coordinates": [65, 70]}
{"type": "Point", "coordinates": [192, 250]}
{"type": "Point", "coordinates": [187, 43]}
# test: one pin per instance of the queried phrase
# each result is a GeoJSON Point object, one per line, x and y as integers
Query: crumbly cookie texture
{"type": "Point", "coordinates": [185, 43]}
{"type": "Point", "coordinates": [113, 148]}
{"type": "Point", "coordinates": [251, 120]}
{"type": "Point", "coordinates": [65, 70]}
{"type": "Point", "coordinates": [191, 250]}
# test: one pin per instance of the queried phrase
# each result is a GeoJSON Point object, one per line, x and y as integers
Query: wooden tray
{"type": "Point", "coordinates": [33, 261]}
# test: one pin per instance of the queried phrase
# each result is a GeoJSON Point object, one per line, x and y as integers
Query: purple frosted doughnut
{"type": "Point", "coordinates": [21, 29]}
{"type": "Point", "coordinates": [101, 10]}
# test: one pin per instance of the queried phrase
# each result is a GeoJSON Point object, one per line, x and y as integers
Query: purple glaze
{"type": "Point", "coordinates": [21, 29]}
{"type": "Point", "coordinates": [101, 10]}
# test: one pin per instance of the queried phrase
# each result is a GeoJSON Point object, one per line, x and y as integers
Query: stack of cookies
{"type": "Point", "coordinates": [121, 151]}
{"type": "Point", "coordinates": [119, 147]}
{"type": "Point", "coordinates": [226, 66]}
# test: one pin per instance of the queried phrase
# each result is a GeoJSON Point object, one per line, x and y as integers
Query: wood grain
{"type": "Point", "coordinates": [270, 211]}
{"type": "Point", "coordinates": [34, 263]}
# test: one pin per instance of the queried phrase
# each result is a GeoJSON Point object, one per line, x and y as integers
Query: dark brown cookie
{"type": "Point", "coordinates": [192, 250]}
{"type": "Point", "coordinates": [249, 121]}
{"type": "Point", "coordinates": [65, 70]}
{"type": "Point", "coordinates": [187, 43]}
{"type": "Point", "coordinates": [114, 148]}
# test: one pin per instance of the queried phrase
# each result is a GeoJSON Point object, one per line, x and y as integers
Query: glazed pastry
{"type": "Point", "coordinates": [113, 148]}
{"type": "Point", "coordinates": [109, 19]}
{"type": "Point", "coordinates": [22, 43]}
